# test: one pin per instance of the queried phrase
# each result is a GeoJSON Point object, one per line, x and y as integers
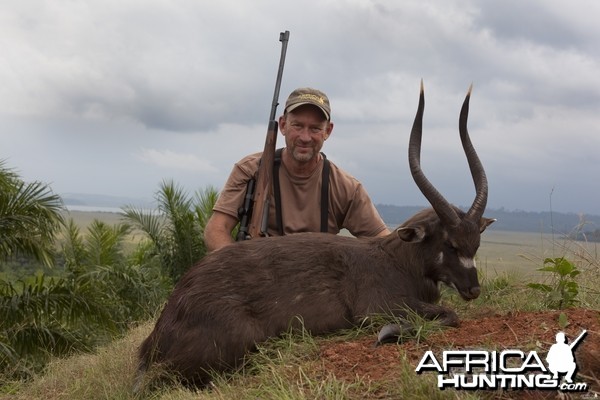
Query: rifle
{"type": "Point", "coordinates": [578, 339]}
{"type": "Point", "coordinates": [254, 213]}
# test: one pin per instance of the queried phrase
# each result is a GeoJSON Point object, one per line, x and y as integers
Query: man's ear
{"type": "Point", "coordinates": [282, 124]}
{"type": "Point", "coordinates": [485, 222]}
{"type": "Point", "coordinates": [329, 130]}
{"type": "Point", "coordinates": [411, 234]}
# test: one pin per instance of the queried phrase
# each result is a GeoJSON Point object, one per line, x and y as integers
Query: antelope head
{"type": "Point", "coordinates": [452, 239]}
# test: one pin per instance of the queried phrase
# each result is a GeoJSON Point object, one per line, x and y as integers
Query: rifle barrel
{"type": "Point", "coordinates": [284, 37]}
{"type": "Point", "coordinates": [578, 339]}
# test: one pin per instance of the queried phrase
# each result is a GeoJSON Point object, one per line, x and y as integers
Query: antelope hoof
{"type": "Point", "coordinates": [392, 333]}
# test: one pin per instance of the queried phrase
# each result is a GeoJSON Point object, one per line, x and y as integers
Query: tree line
{"type": "Point", "coordinates": [574, 225]}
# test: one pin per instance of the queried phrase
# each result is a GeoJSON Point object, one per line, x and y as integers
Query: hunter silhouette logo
{"type": "Point", "coordinates": [507, 369]}
{"type": "Point", "coordinates": [561, 357]}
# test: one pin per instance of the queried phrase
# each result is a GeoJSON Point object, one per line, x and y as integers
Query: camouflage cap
{"type": "Point", "coordinates": [302, 96]}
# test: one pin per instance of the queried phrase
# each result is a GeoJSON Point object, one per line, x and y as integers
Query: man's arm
{"type": "Point", "coordinates": [217, 232]}
{"type": "Point", "coordinates": [362, 218]}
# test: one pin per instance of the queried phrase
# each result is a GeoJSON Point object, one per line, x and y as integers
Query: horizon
{"type": "Point", "coordinates": [102, 201]}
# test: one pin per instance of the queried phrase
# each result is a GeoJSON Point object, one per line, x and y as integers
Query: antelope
{"type": "Point", "coordinates": [247, 292]}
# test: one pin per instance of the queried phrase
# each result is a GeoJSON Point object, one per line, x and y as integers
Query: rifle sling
{"type": "Point", "coordinates": [324, 193]}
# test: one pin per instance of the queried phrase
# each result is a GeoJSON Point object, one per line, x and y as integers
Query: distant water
{"type": "Point", "coordinates": [93, 208]}
{"type": "Point", "coordinates": [117, 210]}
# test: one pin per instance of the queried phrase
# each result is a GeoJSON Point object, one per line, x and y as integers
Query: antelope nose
{"type": "Point", "coordinates": [475, 291]}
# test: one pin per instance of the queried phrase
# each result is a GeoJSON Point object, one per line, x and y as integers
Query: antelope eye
{"type": "Point", "coordinates": [451, 248]}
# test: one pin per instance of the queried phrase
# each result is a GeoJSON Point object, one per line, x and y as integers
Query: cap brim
{"type": "Point", "coordinates": [294, 106]}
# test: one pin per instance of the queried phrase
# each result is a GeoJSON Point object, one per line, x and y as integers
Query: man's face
{"type": "Point", "coordinates": [305, 129]}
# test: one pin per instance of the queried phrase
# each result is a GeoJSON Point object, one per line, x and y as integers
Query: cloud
{"type": "Point", "coordinates": [166, 77]}
{"type": "Point", "coordinates": [172, 160]}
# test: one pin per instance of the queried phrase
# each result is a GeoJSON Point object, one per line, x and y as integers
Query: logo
{"type": "Point", "coordinates": [507, 369]}
{"type": "Point", "coordinates": [311, 97]}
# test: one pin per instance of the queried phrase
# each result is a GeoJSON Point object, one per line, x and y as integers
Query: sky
{"type": "Point", "coordinates": [114, 97]}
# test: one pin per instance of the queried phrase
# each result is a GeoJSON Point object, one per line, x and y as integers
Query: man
{"type": "Point", "coordinates": [305, 125]}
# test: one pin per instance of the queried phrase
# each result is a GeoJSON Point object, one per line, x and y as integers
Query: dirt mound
{"type": "Point", "coordinates": [519, 330]}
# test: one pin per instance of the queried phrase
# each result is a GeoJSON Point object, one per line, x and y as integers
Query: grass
{"type": "Point", "coordinates": [105, 374]}
{"type": "Point", "coordinates": [291, 368]}
{"type": "Point", "coordinates": [286, 368]}
{"type": "Point", "coordinates": [83, 219]}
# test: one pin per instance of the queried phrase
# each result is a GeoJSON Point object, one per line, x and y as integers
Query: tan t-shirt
{"type": "Point", "coordinates": [349, 204]}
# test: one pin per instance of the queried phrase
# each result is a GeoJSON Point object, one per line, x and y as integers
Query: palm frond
{"type": "Point", "coordinates": [30, 216]}
{"type": "Point", "coordinates": [149, 223]}
{"type": "Point", "coordinates": [205, 201]}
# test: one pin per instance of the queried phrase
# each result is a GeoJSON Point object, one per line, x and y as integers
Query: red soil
{"type": "Point", "coordinates": [523, 331]}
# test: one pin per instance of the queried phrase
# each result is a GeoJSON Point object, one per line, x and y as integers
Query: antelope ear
{"type": "Point", "coordinates": [411, 234]}
{"type": "Point", "coordinates": [485, 222]}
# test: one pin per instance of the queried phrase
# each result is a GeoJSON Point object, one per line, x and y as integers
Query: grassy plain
{"type": "Point", "coordinates": [83, 219]}
{"type": "Point", "coordinates": [524, 252]}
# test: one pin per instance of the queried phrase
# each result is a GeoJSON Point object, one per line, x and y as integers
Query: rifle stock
{"type": "Point", "coordinates": [258, 221]}
{"type": "Point", "coordinates": [260, 209]}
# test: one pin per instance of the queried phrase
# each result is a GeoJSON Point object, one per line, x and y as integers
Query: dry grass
{"type": "Point", "coordinates": [106, 374]}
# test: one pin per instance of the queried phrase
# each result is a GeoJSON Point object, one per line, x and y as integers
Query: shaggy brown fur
{"type": "Point", "coordinates": [252, 290]}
